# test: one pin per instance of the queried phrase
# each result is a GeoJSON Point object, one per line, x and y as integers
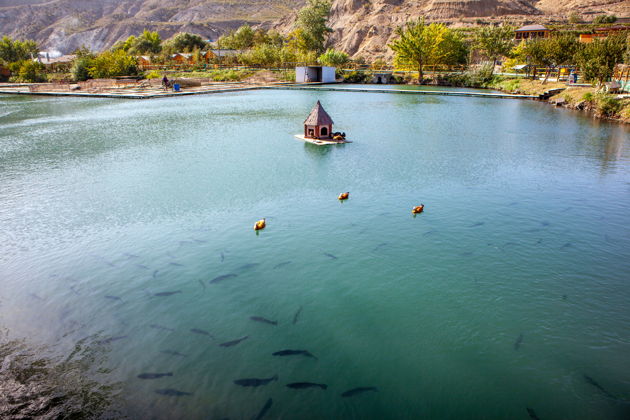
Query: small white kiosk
{"type": "Point", "coordinates": [321, 74]}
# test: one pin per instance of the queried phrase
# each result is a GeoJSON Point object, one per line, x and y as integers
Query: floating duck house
{"type": "Point", "coordinates": [318, 124]}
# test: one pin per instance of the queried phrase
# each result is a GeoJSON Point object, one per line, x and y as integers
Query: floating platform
{"type": "Point", "coordinates": [320, 142]}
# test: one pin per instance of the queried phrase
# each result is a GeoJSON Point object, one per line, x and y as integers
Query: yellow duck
{"type": "Point", "coordinates": [344, 196]}
{"type": "Point", "coordinates": [418, 209]}
{"type": "Point", "coordinates": [260, 224]}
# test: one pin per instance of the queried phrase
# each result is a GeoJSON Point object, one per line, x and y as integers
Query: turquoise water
{"type": "Point", "coordinates": [509, 289]}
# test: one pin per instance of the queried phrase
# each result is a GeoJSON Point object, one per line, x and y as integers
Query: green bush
{"type": "Point", "coordinates": [356, 77]}
{"type": "Point", "coordinates": [477, 78]}
{"type": "Point", "coordinates": [588, 97]}
{"type": "Point", "coordinates": [604, 19]}
{"type": "Point", "coordinates": [153, 74]}
{"type": "Point", "coordinates": [28, 71]}
{"type": "Point", "coordinates": [608, 105]}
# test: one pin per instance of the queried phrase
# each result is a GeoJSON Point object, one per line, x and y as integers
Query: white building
{"type": "Point", "coordinates": [321, 74]}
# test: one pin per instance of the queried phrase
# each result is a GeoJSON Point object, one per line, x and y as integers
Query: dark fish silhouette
{"type": "Point", "coordinates": [545, 223]}
{"type": "Point", "coordinates": [330, 255]}
{"type": "Point", "coordinates": [297, 315]}
{"type": "Point", "coordinates": [174, 353]}
{"type": "Point", "coordinates": [304, 385]}
{"type": "Point", "coordinates": [477, 224]}
{"type": "Point", "coordinates": [155, 273]}
{"type": "Point", "coordinates": [532, 413]}
{"type": "Point", "coordinates": [202, 332]}
{"type": "Point", "coordinates": [111, 339]}
{"type": "Point", "coordinates": [248, 266]}
{"type": "Point", "coordinates": [466, 254]}
{"type": "Point", "coordinates": [35, 296]}
{"type": "Point", "coordinates": [263, 320]}
{"type": "Point", "coordinates": [200, 241]}
{"type": "Point", "coordinates": [161, 327]}
{"type": "Point", "coordinates": [429, 232]}
{"type": "Point", "coordinates": [539, 241]}
{"type": "Point", "coordinates": [264, 410]}
{"type": "Point", "coordinates": [564, 297]}
{"type": "Point", "coordinates": [154, 375]}
{"type": "Point", "coordinates": [255, 381]}
{"type": "Point", "coordinates": [144, 267]}
{"type": "Point", "coordinates": [513, 203]}
{"type": "Point", "coordinates": [233, 342]}
{"type": "Point", "coordinates": [168, 293]}
{"type": "Point", "coordinates": [567, 245]}
{"type": "Point", "coordinates": [379, 246]}
{"type": "Point", "coordinates": [222, 257]}
{"type": "Point", "coordinates": [518, 342]}
{"type": "Point", "coordinates": [74, 290]}
{"type": "Point", "coordinates": [111, 297]}
{"type": "Point", "coordinates": [598, 386]}
{"type": "Point", "coordinates": [172, 392]}
{"type": "Point", "coordinates": [221, 278]}
{"type": "Point", "coordinates": [203, 285]}
{"type": "Point", "coordinates": [176, 264]}
{"type": "Point", "coordinates": [359, 390]}
{"type": "Point", "coordinates": [282, 264]}
{"type": "Point", "coordinates": [293, 353]}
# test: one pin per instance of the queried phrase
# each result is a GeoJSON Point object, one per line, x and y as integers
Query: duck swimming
{"type": "Point", "coordinates": [418, 209]}
{"type": "Point", "coordinates": [344, 196]}
{"type": "Point", "coordinates": [260, 224]}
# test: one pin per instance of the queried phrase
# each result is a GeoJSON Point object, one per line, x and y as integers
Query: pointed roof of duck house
{"type": "Point", "coordinates": [318, 116]}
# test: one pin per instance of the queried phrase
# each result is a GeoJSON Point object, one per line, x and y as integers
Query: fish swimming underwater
{"type": "Point", "coordinates": [202, 332]}
{"type": "Point", "coordinates": [331, 256]}
{"type": "Point", "coordinates": [233, 342]}
{"type": "Point", "coordinates": [172, 392]}
{"type": "Point", "coordinates": [173, 353]}
{"type": "Point", "coordinates": [293, 353]}
{"type": "Point", "coordinates": [255, 381]}
{"type": "Point", "coordinates": [517, 343]}
{"type": "Point", "coordinates": [532, 413]}
{"type": "Point", "coordinates": [167, 293]}
{"type": "Point", "coordinates": [304, 385]}
{"type": "Point", "coordinates": [111, 297]}
{"type": "Point", "coordinates": [161, 327]}
{"type": "Point", "coordinates": [263, 320]}
{"type": "Point", "coordinates": [282, 264]}
{"type": "Point", "coordinates": [264, 410]}
{"type": "Point", "coordinates": [154, 375]}
{"type": "Point", "coordinates": [359, 390]}
{"type": "Point", "coordinates": [591, 381]}
{"type": "Point", "coordinates": [248, 266]}
{"type": "Point", "coordinates": [223, 277]}
{"type": "Point", "coordinates": [297, 315]}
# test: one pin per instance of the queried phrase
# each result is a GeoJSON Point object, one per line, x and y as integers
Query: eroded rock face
{"type": "Point", "coordinates": [68, 24]}
{"type": "Point", "coordinates": [365, 27]}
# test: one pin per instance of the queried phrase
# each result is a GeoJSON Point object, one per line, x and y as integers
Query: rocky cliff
{"type": "Point", "coordinates": [68, 24]}
{"type": "Point", "coordinates": [361, 27]}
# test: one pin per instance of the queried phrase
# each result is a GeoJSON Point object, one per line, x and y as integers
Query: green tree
{"type": "Point", "coordinates": [81, 65]}
{"type": "Point", "coordinates": [312, 20]}
{"type": "Point", "coordinates": [333, 58]}
{"type": "Point", "coordinates": [495, 42]}
{"type": "Point", "coordinates": [112, 64]}
{"type": "Point", "coordinates": [28, 71]}
{"type": "Point", "coordinates": [420, 44]}
{"type": "Point", "coordinates": [597, 59]}
{"type": "Point", "coordinates": [124, 45]}
{"type": "Point", "coordinates": [12, 51]}
{"type": "Point", "coordinates": [146, 43]}
{"type": "Point", "coordinates": [184, 42]}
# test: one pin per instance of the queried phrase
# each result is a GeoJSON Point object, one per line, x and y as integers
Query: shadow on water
{"type": "Point", "coordinates": [317, 151]}
{"type": "Point", "coordinates": [34, 383]}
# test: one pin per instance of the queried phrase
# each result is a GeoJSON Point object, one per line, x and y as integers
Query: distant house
{"type": "Point", "coordinates": [182, 58]}
{"type": "Point", "coordinates": [602, 33]}
{"type": "Point", "coordinates": [531, 32]}
{"type": "Point", "coordinates": [57, 64]}
{"type": "Point", "coordinates": [144, 60]}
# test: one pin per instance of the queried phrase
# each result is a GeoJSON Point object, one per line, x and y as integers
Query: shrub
{"type": "Point", "coordinates": [604, 19]}
{"type": "Point", "coordinates": [588, 97]}
{"type": "Point", "coordinates": [153, 74]}
{"type": "Point", "coordinates": [608, 105]}
{"type": "Point", "coordinates": [28, 71]}
{"type": "Point", "coordinates": [333, 58]}
{"type": "Point", "coordinates": [355, 77]}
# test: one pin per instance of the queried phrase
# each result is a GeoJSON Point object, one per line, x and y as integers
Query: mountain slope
{"type": "Point", "coordinates": [68, 24]}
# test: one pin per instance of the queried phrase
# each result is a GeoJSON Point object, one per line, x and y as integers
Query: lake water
{"type": "Point", "coordinates": [511, 291]}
